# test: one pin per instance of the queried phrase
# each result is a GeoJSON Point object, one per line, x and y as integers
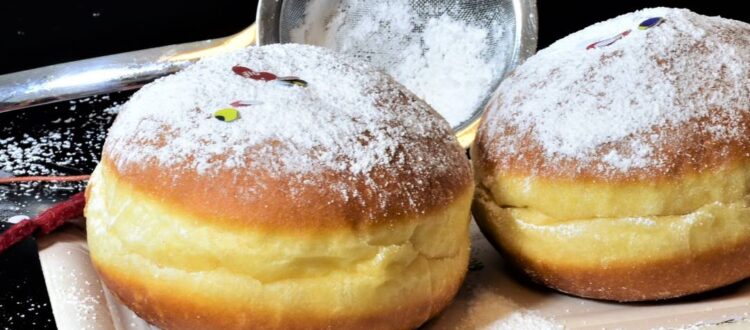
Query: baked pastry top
{"type": "Point", "coordinates": [656, 103]}
{"type": "Point", "coordinates": [341, 127]}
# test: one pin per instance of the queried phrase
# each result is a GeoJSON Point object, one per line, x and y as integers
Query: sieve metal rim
{"type": "Point", "coordinates": [525, 43]}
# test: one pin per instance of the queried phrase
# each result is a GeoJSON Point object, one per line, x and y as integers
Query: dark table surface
{"type": "Point", "coordinates": [66, 138]}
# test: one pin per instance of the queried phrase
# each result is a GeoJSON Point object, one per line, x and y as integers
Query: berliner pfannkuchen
{"type": "Point", "coordinates": [280, 187]}
{"type": "Point", "coordinates": [615, 164]}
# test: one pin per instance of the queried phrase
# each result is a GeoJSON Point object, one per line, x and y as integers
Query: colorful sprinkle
{"type": "Point", "coordinates": [242, 71]}
{"type": "Point", "coordinates": [267, 76]}
{"type": "Point", "coordinates": [227, 114]}
{"type": "Point", "coordinates": [292, 81]}
{"type": "Point", "coordinates": [609, 41]}
{"type": "Point", "coordinates": [239, 104]}
{"type": "Point", "coordinates": [651, 22]}
{"type": "Point", "coordinates": [255, 75]}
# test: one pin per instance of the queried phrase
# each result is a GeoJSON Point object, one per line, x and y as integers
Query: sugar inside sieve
{"type": "Point", "coordinates": [453, 53]}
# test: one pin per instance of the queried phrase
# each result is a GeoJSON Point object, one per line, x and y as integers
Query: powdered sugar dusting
{"type": "Point", "coordinates": [450, 70]}
{"type": "Point", "coordinates": [444, 52]}
{"type": "Point", "coordinates": [350, 119]}
{"type": "Point", "coordinates": [491, 311]}
{"type": "Point", "coordinates": [608, 107]}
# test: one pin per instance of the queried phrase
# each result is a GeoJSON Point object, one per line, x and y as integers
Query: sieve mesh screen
{"type": "Point", "coordinates": [385, 33]}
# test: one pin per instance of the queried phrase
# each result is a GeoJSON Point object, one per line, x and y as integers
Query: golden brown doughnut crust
{"type": "Point", "coordinates": [653, 281]}
{"type": "Point", "coordinates": [160, 305]}
{"type": "Point", "coordinates": [311, 208]}
{"type": "Point", "coordinates": [340, 202]}
{"type": "Point", "coordinates": [637, 188]}
{"type": "Point", "coordinates": [685, 149]}
{"type": "Point", "coordinates": [625, 282]}
{"type": "Point", "coordinates": [179, 272]}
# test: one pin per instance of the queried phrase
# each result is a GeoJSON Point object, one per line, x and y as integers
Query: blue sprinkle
{"type": "Point", "coordinates": [651, 22]}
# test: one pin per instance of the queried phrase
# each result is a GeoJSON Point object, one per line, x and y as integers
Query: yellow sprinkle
{"type": "Point", "coordinates": [227, 114]}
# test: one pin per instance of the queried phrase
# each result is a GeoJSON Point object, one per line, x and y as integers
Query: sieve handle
{"type": "Point", "coordinates": [106, 74]}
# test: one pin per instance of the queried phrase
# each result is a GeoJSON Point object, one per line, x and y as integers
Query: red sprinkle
{"type": "Point", "coordinates": [608, 41]}
{"type": "Point", "coordinates": [47, 221]}
{"type": "Point", "coordinates": [249, 73]}
{"type": "Point", "coordinates": [239, 104]}
{"type": "Point", "coordinates": [242, 71]}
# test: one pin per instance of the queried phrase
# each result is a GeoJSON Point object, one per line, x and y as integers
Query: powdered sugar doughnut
{"type": "Point", "coordinates": [615, 164]}
{"type": "Point", "coordinates": [280, 187]}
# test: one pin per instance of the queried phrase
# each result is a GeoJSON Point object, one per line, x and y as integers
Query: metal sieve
{"type": "Point", "coordinates": [275, 21]}
{"type": "Point", "coordinates": [106, 74]}
{"type": "Point", "coordinates": [515, 40]}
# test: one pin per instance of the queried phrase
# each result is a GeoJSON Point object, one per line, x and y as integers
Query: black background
{"type": "Point", "coordinates": [34, 34]}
